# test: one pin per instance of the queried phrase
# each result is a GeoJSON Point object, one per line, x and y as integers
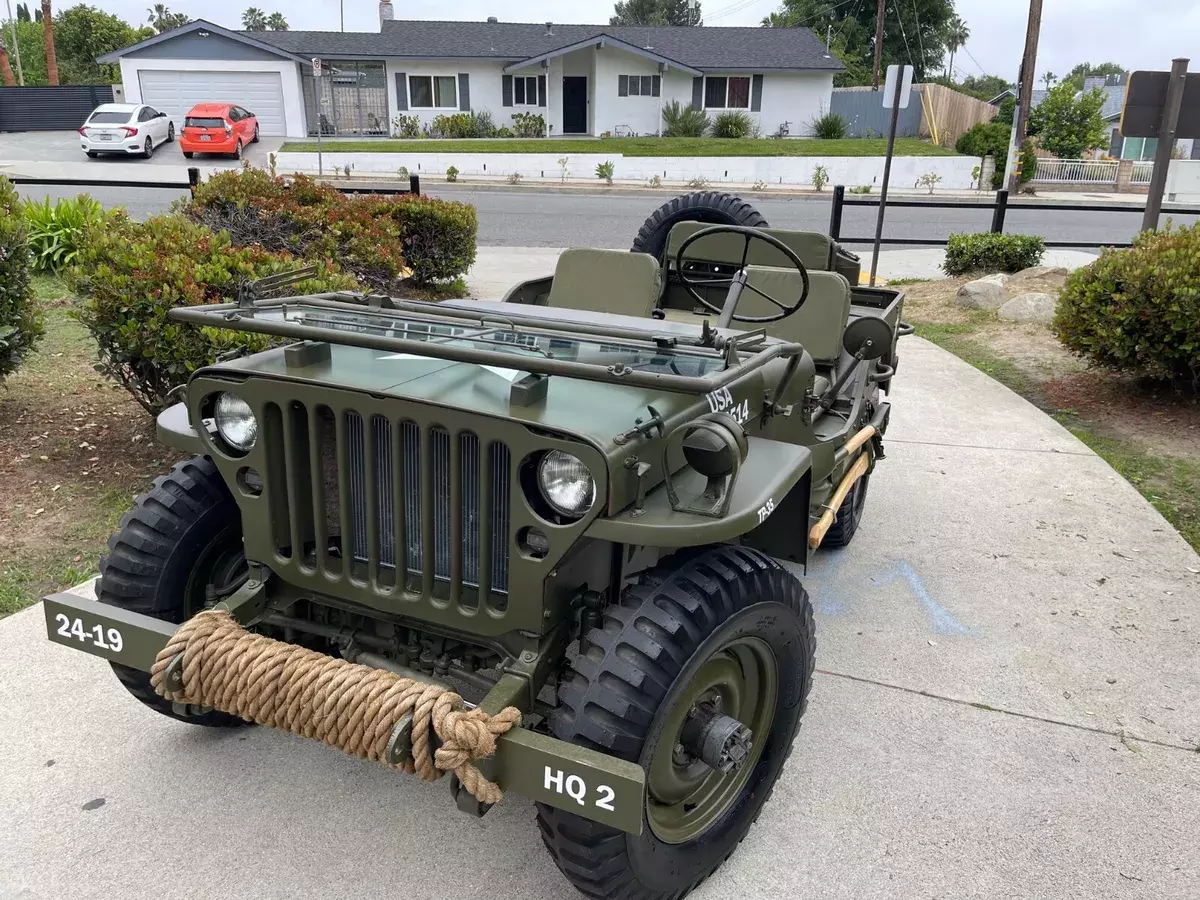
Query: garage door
{"type": "Point", "coordinates": [177, 92]}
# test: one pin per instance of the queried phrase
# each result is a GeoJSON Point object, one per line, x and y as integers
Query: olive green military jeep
{"type": "Point", "coordinates": [571, 505]}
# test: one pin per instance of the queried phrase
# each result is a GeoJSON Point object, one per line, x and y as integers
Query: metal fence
{"type": "Point", "coordinates": [999, 207]}
{"type": "Point", "coordinates": [61, 108]}
{"type": "Point", "coordinates": [862, 108]}
{"type": "Point", "coordinates": [1076, 171]}
{"type": "Point", "coordinates": [1142, 172]}
{"type": "Point", "coordinates": [193, 179]}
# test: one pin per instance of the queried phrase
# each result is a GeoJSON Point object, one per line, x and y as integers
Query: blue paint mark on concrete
{"type": "Point", "coordinates": [833, 591]}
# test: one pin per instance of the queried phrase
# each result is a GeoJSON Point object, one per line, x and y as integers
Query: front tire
{"type": "Point", "coordinates": [728, 627]}
{"type": "Point", "coordinates": [179, 548]}
{"type": "Point", "coordinates": [255, 138]}
{"type": "Point", "coordinates": [171, 133]}
{"type": "Point", "coordinates": [849, 516]}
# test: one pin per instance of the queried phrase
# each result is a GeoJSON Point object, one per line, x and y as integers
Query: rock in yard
{"type": "Point", "coordinates": [985, 293]}
{"type": "Point", "coordinates": [1032, 307]}
{"type": "Point", "coordinates": [1041, 272]}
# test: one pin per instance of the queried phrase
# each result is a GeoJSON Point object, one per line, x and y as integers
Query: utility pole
{"type": "Point", "coordinates": [878, 44]}
{"type": "Point", "coordinates": [1028, 79]}
{"type": "Point", "coordinates": [828, 36]}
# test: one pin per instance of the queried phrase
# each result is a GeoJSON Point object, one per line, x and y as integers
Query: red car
{"type": "Point", "coordinates": [218, 128]}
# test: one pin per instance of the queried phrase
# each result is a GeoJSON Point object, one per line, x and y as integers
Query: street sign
{"type": "Point", "coordinates": [903, 76]}
{"type": "Point", "coordinates": [316, 64]}
{"type": "Point", "coordinates": [1145, 100]}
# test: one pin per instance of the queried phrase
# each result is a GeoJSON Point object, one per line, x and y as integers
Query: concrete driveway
{"type": "Point", "coordinates": [63, 147]}
{"type": "Point", "coordinates": [1007, 705]}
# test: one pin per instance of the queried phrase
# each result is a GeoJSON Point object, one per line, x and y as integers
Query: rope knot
{"type": "Point", "coordinates": [348, 706]}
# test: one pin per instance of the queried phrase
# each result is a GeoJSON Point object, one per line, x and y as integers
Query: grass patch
{"type": "Point", "coordinates": [634, 147]}
{"type": "Point", "coordinates": [900, 282]}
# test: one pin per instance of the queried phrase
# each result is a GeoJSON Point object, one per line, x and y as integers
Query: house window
{"type": "Point", "coordinates": [433, 92]}
{"type": "Point", "coordinates": [525, 91]}
{"type": "Point", "coordinates": [727, 93]}
{"type": "Point", "coordinates": [1139, 148]}
{"type": "Point", "coordinates": [639, 85]}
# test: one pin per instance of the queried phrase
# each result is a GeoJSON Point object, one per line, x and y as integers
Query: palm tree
{"type": "Point", "coordinates": [163, 19]}
{"type": "Point", "coordinates": [253, 19]}
{"type": "Point", "coordinates": [957, 34]}
{"type": "Point", "coordinates": [276, 22]}
{"type": "Point", "coordinates": [48, 28]}
{"type": "Point", "coordinates": [6, 71]}
{"type": "Point", "coordinates": [1049, 78]}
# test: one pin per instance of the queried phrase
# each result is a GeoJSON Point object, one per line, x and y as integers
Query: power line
{"type": "Point", "coordinates": [982, 71]}
{"type": "Point", "coordinates": [730, 10]}
{"type": "Point", "coordinates": [920, 41]}
{"type": "Point", "coordinates": [904, 34]}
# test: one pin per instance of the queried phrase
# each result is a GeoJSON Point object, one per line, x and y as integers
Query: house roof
{"type": "Point", "coordinates": [696, 48]}
{"type": "Point", "coordinates": [248, 38]}
{"type": "Point", "coordinates": [1114, 101]}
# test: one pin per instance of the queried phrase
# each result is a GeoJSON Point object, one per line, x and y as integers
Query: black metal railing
{"type": "Point", "coordinates": [193, 180]}
{"type": "Point", "coordinates": [999, 205]}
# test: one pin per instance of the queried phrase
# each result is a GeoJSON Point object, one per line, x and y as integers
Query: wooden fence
{"type": "Point", "coordinates": [947, 114]}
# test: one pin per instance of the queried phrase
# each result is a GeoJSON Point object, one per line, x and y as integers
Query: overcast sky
{"type": "Point", "coordinates": [1139, 34]}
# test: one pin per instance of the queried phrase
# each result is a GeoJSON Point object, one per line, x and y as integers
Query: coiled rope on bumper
{"type": "Point", "coordinates": [348, 706]}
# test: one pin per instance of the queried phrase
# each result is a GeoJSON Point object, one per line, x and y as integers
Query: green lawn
{"type": "Point", "coordinates": [635, 147]}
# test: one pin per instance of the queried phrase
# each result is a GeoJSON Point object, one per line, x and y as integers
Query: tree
{"type": "Point", "coordinates": [6, 71]}
{"type": "Point", "coordinates": [1048, 79]}
{"type": "Point", "coordinates": [1067, 123]}
{"type": "Point", "coordinates": [1084, 69]}
{"type": "Point", "coordinates": [164, 20]}
{"type": "Point", "coordinates": [31, 41]}
{"type": "Point", "coordinates": [957, 34]}
{"type": "Point", "coordinates": [254, 19]}
{"type": "Point", "coordinates": [23, 12]}
{"type": "Point", "coordinates": [914, 31]}
{"type": "Point", "coordinates": [48, 31]}
{"type": "Point", "coordinates": [1008, 110]}
{"type": "Point", "coordinates": [276, 22]}
{"type": "Point", "coordinates": [985, 87]}
{"type": "Point", "coordinates": [655, 12]}
{"type": "Point", "coordinates": [84, 33]}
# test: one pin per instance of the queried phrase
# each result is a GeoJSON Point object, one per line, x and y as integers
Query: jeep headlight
{"type": "Point", "coordinates": [566, 484]}
{"type": "Point", "coordinates": [235, 422]}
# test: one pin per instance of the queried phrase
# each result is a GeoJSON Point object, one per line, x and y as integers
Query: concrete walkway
{"type": "Point", "coordinates": [1007, 705]}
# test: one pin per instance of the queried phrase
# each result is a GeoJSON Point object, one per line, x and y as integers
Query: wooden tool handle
{"type": "Point", "coordinates": [839, 496]}
{"type": "Point", "coordinates": [853, 445]}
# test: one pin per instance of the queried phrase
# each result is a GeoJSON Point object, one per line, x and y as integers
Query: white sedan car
{"type": "Point", "coordinates": [126, 128]}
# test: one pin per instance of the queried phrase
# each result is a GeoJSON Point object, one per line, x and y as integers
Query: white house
{"type": "Point", "coordinates": [583, 79]}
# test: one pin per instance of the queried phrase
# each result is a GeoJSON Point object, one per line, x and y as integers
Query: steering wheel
{"type": "Point", "coordinates": [737, 282]}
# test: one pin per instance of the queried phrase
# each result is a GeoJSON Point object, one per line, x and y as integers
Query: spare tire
{"type": "Point", "coordinates": [711, 207]}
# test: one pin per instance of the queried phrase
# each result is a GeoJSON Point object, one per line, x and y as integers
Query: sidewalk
{"type": "Point", "coordinates": [1007, 705]}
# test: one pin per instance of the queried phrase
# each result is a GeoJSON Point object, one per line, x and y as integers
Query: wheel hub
{"type": "Point", "coordinates": [719, 741]}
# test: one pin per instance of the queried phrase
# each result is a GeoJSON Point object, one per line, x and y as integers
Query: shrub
{"type": "Point", "coordinates": [655, 181]}
{"type": "Point", "coordinates": [130, 274]}
{"type": "Point", "coordinates": [452, 173]}
{"type": "Point", "coordinates": [20, 319]}
{"type": "Point", "coordinates": [683, 121]}
{"type": "Point", "coordinates": [698, 183]}
{"type": "Point", "coordinates": [529, 125]}
{"type": "Point", "coordinates": [514, 178]}
{"type": "Point", "coordinates": [985, 139]}
{"type": "Point", "coordinates": [820, 177]}
{"type": "Point", "coordinates": [604, 171]}
{"type": "Point", "coordinates": [992, 252]}
{"type": "Point", "coordinates": [55, 229]}
{"type": "Point", "coordinates": [1138, 310]}
{"type": "Point", "coordinates": [1029, 161]}
{"type": "Point", "coordinates": [439, 235]}
{"type": "Point", "coordinates": [482, 125]}
{"type": "Point", "coordinates": [406, 126]}
{"type": "Point", "coordinates": [732, 123]}
{"type": "Point", "coordinates": [861, 189]}
{"type": "Point", "coordinates": [829, 126]}
{"type": "Point", "coordinates": [458, 125]}
{"type": "Point", "coordinates": [929, 181]}
{"type": "Point", "coordinates": [505, 132]}
{"type": "Point", "coordinates": [306, 218]}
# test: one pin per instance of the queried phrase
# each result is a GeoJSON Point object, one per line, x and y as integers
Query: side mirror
{"type": "Point", "coordinates": [867, 338]}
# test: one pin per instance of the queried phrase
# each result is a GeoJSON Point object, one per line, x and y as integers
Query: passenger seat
{"type": "Point", "coordinates": [608, 281]}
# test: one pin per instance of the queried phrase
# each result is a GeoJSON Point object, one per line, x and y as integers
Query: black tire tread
{"type": "Point", "coordinates": [635, 655]}
{"type": "Point", "coordinates": [845, 526]}
{"type": "Point", "coordinates": [137, 558]}
{"type": "Point", "coordinates": [715, 207]}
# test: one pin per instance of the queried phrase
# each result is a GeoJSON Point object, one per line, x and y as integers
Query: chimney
{"type": "Point", "coordinates": [492, 20]}
{"type": "Point", "coordinates": [549, 28]}
{"type": "Point", "coordinates": [386, 12]}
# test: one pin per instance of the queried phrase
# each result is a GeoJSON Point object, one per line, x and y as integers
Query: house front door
{"type": "Point", "coordinates": [575, 99]}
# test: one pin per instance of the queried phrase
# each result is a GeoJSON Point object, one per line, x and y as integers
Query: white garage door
{"type": "Point", "coordinates": [176, 92]}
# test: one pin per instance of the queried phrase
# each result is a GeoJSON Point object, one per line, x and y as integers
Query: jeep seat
{"type": "Point", "coordinates": [817, 251]}
{"type": "Point", "coordinates": [610, 281]}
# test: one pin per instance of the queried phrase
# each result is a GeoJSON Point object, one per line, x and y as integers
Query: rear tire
{"type": "Point", "coordinates": [237, 151]}
{"type": "Point", "coordinates": [188, 154]}
{"type": "Point", "coordinates": [625, 695]}
{"type": "Point", "coordinates": [180, 537]}
{"type": "Point", "coordinates": [849, 516]}
{"type": "Point", "coordinates": [711, 207]}
{"type": "Point", "coordinates": [92, 154]}
{"type": "Point", "coordinates": [148, 148]}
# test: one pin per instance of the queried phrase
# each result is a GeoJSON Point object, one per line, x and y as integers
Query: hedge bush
{"type": "Point", "coordinates": [20, 319]}
{"type": "Point", "coordinates": [376, 238]}
{"type": "Point", "coordinates": [990, 252]}
{"type": "Point", "coordinates": [1138, 310]}
{"type": "Point", "coordinates": [128, 275]}
{"type": "Point", "coordinates": [684, 121]}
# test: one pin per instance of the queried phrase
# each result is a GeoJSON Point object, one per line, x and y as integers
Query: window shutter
{"type": "Point", "coordinates": [1114, 150]}
{"type": "Point", "coordinates": [657, 88]}
{"type": "Point", "coordinates": [622, 85]}
{"type": "Point", "coordinates": [402, 91]}
{"type": "Point", "coordinates": [541, 90]}
{"type": "Point", "coordinates": [507, 91]}
{"type": "Point", "coordinates": [756, 94]}
{"type": "Point", "coordinates": [698, 92]}
{"type": "Point", "coordinates": [464, 92]}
